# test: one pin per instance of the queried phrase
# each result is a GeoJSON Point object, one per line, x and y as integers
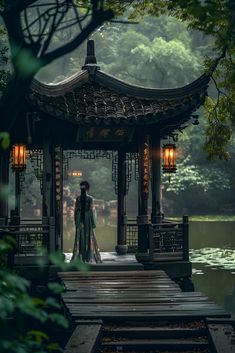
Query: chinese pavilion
{"type": "Point", "coordinates": [94, 112]}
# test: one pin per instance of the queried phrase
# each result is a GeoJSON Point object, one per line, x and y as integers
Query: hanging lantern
{"type": "Point", "coordinates": [75, 173]}
{"type": "Point", "coordinates": [169, 158]}
{"type": "Point", "coordinates": [18, 157]}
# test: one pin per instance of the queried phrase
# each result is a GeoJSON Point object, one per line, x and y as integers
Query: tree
{"type": "Point", "coordinates": [216, 19]}
{"type": "Point", "coordinates": [30, 26]}
{"type": "Point", "coordinates": [148, 53]}
{"type": "Point", "coordinates": [4, 67]}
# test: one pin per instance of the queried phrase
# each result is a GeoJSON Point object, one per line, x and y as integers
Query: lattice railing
{"type": "Point", "coordinates": [132, 236]}
{"type": "Point", "coordinates": [30, 238]}
{"type": "Point", "coordinates": [168, 237]}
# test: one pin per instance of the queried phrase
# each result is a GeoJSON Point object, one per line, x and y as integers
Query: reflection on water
{"type": "Point", "coordinates": [218, 284]}
{"type": "Point", "coordinates": [212, 254]}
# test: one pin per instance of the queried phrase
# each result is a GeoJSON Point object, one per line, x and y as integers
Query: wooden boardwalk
{"type": "Point", "coordinates": [141, 310]}
{"type": "Point", "coordinates": [133, 294]}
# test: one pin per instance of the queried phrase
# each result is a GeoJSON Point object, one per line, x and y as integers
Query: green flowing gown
{"type": "Point", "coordinates": [85, 245]}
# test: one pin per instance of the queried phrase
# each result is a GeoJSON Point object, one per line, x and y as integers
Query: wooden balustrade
{"type": "Point", "coordinates": [29, 238]}
{"type": "Point", "coordinates": [167, 238]}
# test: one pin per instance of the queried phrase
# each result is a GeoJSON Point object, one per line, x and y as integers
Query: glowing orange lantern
{"type": "Point", "coordinates": [75, 173]}
{"type": "Point", "coordinates": [169, 158]}
{"type": "Point", "coordinates": [18, 157]}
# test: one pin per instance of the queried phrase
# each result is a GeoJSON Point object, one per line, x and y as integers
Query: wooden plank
{"type": "Point", "coordinates": [221, 337]}
{"type": "Point", "coordinates": [126, 301]}
{"type": "Point", "coordinates": [144, 311]}
{"type": "Point", "coordinates": [118, 277]}
{"type": "Point", "coordinates": [111, 274]}
{"type": "Point", "coordinates": [122, 284]}
{"type": "Point", "coordinates": [84, 339]}
{"type": "Point", "coordinates": [147, 344]}
{"type": "Point", "coordinates": [76, 286]}
{"type": "Point", "coordinates": [154, 332]}
{"type": "Point", "coordinates": [132, 299]}
{"type": "Point", "coordinates": [117, 281]}
{"type": "Point", "coordinates": [167, 315]}
{"type": "Point", "coordinates": [137, 308]}
{"type": "Point", "coordinates": [86, 294]}
{"type": "Point", "coordinates": [112, 293]}
{"type": "Point", "coordinates": [123, 288]}
{"type": "Point", "coordinates": [146, 306]}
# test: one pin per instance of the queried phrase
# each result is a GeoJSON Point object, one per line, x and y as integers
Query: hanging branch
{"type": "Point", "coordinates": [97, 20]}
{"type": "Point", "coordinates": [55, 24]}
{"type": "Point", "coordinates": [31, 39]}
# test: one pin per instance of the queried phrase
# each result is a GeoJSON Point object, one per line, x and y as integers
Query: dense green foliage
{"type": "Point", "coordinates": [23, 316]}
{"type": "Point", "coordinates": [149, 53]}
{"type": "Point", "coordinates": [28, 317]}
{"type": "Point", "coordinates": [216, 19]}
{"type": "Point", "coordinates": [4, 58]}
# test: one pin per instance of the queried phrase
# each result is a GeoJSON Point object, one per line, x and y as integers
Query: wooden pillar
{"type": "Point", "coordinates": [121, 247]}
{"type": "Point", "coordinates": [17, 194]}
{"type": "Point", "coordinates": [4, 181]}
{"type": "Point", "coordinates": [143, 194]}
{"type": "Point", "coordinates": [48, 205]}
{"type": "Point", "coordinates": [156, 216]}
{"type": "Point", "coordinates": [59, 197]}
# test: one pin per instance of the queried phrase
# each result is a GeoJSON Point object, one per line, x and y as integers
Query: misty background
{"type": "Point", "coordinates": [157, 52]}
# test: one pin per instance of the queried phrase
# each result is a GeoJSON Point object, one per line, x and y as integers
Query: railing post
{"type": "Point", "coordinates": [52, 237]}
{"type": "Point", "coordinates": [121, 247]}
{"type": "Point", "coordinates": [11, 253]}
{"type": "Point", "coordinates": [46, 222]}
{"type": "Point", "coordinates": [151, 250]}
{"type": "Point", "coordinates": [185, 238]}
{"type": "Point", "coordinates": [14, 221]}
{"type": "Point", "coordinates": [4, 181]}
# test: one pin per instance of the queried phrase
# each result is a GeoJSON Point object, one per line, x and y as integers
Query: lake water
{"type": "Point", "coordinates": [212, 253]}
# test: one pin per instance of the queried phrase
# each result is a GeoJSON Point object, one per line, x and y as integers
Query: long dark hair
{"type": "Point", "coordinates": [84, 186]}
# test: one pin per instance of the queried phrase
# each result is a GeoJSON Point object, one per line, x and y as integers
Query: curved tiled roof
{"type": "Point", "coordinates": [107, 100]}
{"type": "Point", "coordinates": [94, 97]}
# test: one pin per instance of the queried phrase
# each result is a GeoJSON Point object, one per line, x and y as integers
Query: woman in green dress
{"type": "Point", "coordinates": [85, 245]}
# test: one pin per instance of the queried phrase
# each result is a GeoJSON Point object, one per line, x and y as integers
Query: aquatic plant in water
{"type": "Point", "coordinates": [214, 257]}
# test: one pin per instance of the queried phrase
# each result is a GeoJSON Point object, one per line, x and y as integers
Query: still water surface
{"type": "Point", "coordinates": [212, 252]}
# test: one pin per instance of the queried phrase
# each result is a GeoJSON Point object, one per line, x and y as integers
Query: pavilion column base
{"type": "Point", "coordinates": [121, 249]}
{"type": "Point", "coordinates": [142, 257]}
{"type": "Point", "coordinates": [156, 219]}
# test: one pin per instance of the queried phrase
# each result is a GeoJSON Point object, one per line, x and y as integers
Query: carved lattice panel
{"type": "Point", "coordinates": [83, 154]}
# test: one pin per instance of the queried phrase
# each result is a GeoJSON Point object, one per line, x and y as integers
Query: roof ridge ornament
{"type": "Point", "coordinates": [90, 61]}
